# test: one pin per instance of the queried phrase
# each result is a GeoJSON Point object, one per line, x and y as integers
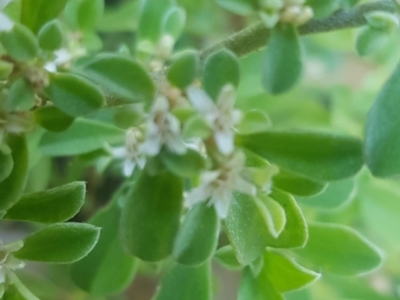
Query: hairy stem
{"type": "Point", "coordinates": [256, 36]}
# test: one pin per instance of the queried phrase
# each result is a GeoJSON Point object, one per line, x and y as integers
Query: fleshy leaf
{"type": "Point", "coordinates": [51, 36]}
{"type": "Point", "coordinates": [282, 65]}
{"type": "Point", "coordinates": [74, 95]}
{"type": "Point", "coordinates": [52, 119]}
{"type": "Point", "coordinates": [370, 40]}
{"type": "Point", "coordinates": [334, 256]}
{"type": "Point", "coordinates": [197, 236]}
{"type": "Point", "coordinates": [174, 22]}
{"type": "Point", "coordinates": [6, 164]}
{"type": "Point", "coordinates": [82, 137]}
{"type": "Point", "coordinates": [319, 156]}
{"type": "Point", "coordinates": [122, 77]}
{"type": "Point", "coordinates": [226, 257]}
{"type": "Point", "coordinates": [35, 13]}
{"type": "Point", "coordinates": [240, 7]}
{"type": "Point", "coordinates": [285, 274]}
{"type": "Point", "coordinates": [92, 273]}
{"type": "Point", "coordinates": [254, 121]}
{"type": "Point", "coordinates": [337, 194]}
{"type": "Point", "coordinates": [12, 187]}
{"type": "Point", "coordinates": [150, 218]}
{"type": "Point", "coordinates": [274, 215]}
{"type": "Point", "coordinates": [60, 243]}
{"type": "Point", "coordinates": [20, 96]}
{"type": "Point", "coordinates": [297, 185]}
{"type": "Point", "coordinates": [186, 165]}
{"type": "Point", "coordinates": [381, 146]}
{"type": "Point", "coordinates": [324, 8]}
{"type": "Point", "coordinates": [183, 69]}
{"type": "Point", "coordinates": [54, 205]}
{"type": "Point", "coordinates": [20, 43]}
{"type": "Point", "coordinates": [220, 68]}
{"type": "Point", "coordinates": [89, 13]}
{"type": "Point", "coordinates": [185, 283]}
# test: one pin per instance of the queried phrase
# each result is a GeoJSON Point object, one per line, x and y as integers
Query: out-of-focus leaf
{"type": "Point", "coordinates": [51, 36]}
{"type": "Point", "coordinates": [183, 69]}
{"type": "Point", "coordinates": [52, 119]}
{"type": "Point", "coordinates": [20, 43]}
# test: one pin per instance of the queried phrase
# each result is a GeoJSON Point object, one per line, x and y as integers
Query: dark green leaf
{"type": "Point", "coordinates": [183, 69]}
{"type": "Point", "coordinates": [297, 185]}
{"type": "Point", "coordinates": [54, 205]}
{"type": "Point", "coordinates": [51, 36]}
{"type": "Point", "coordinates": [220, 68]}
{"type": "Point", "coordinates": [186, 283]}
{"type": "Point", "coordinates": [20, 43]}
{"type": "Point", "coordinates": [197, 236]}
{"type": "Point", "coordinates": [52, 119]}
{"type": "Point", "coordinates": [82, 137]}
{"type": "Point", "coordinates": [6, 164]}
{"type": "Point", "coordinates": [226, 257]}
{"type": "Point", "coordinates": [382, 147]}
{"type": "Point", "coordinates": [122, 77]}
{"type": "Point", "coordinates": [92, 273]}
{"type": "Point", "coordinates": [5, 69]}
{"type": "Point", "coordinates": [282, 65]}
{"type": "Point", "coordinates": [12, 187]}
{"type": "Point", "coordinates": [60, 243]}
{"type": "Point", "coordinates": [35, 13]}
{"type": "Point", "coordinates": [150, 218]}
{"type": "Point", "coordinates": [347, 252]}
{"type": "Point", "coordinates": [320, 156]}
{"type": "Point", "coordinates": [74, 95]}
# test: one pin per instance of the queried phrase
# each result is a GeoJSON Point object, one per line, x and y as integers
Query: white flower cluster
{"type": "Point", "coordinates": [285, 11]}
{"type": "Point", "coordinates": [8, 263]}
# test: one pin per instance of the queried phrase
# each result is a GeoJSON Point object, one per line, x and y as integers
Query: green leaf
{"type": "Point", "coordinates": [226, 257]}
{"type": "Point", "coordinates": [220, 68]}
{"type": "Point", "coordinates": [5, 69]}
{"type": "Point", "coordinates": [246, 229]}
{"type": "Point", "coordinates": [89, 13]}
{"type": "Point", "coordinates": [347, 253]}
{"type": "Point", "coordinates": [52, 119]}
{"type": "Point", "coordinates": [13, 186]}
{"type": "Point", "coordinates": [20, 96]}
{"type": "Point", "coordinates": [295, 233]}
{"type": "Point", "coordinates": [51, 36]}
{"type": "Point", "coordinates": [35, 13]}
{"type": "Point", "coordinates": [185, 283]}
{"type": "Point", "coordinates": [6, 164]}
{"type": "Point", "coordinates": [54, 205]}
{"type": "Point", "coordinates": [282, 65]}
{"type": "Point", "coordinates": [254, 121]}
{"type": "Point", "coordinates": [240, 7]}
{"type": "Point", "coordinates": [197, 236]}
{"type": "Point", "coordinates": [82, 137]}
{"type": "Point", "coordinates": [381, 146]}
{"type": "Point", "coordinates": [285, 274]}
{"type": "Point", "coordinates": [323, 9]}
{"type": "Point", "coordinates": [186, 165]}
{"type": "Point", "coordinates": [74, 95]}
{"type": "Point", "coordinates": [274, 215]}
{"type": "Point", "coordinates": [150, 218]}
{"type": "Point", "coordinates": [59, 243]}
{"type": "Point", "coordinates": [257, 288]}
{"type": "Point", "coordinates": [122, 77]}
{"type": "Point", "coordinates": [20, 43]}
{"type": "Point", "coordinates": [92, 273]}
{"type": "Point", "coordinates": [298, 185]}
{"type": "Point", "coordinates": [370, 40]}
{"type": "Point", "coordinates": [151, 19]}
{"type": "Point", "coordinates": [337, 194]}
{"type": "Point", "coordinates": [319, 156]}
{"type": "Point", "coordinates": [174, 22]}
{"type": "Point", "coordinates": [183, 69]}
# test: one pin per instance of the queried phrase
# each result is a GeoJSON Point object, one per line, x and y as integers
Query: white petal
{"type": "Point", "coordinates": [161, 105]}
{"type": "Point", "coordinates": [201, 193]}
{"type": "Point", "coordinates": [151, 146]}
{"type": "Point", "coordinates": [118, 152]}
{"type": "Point", "coordinates": [224, 141]}
{"type": "Point", "coordinates": [5, 22]}
{"type": "Point", "coordinates": [50, 66]}
{"type": "Point", "coordinates": [12, 247]}
{"type": "Point", "coordinates": [222, 204]}
{"type": "Point", "coordinates": [210, 176]}
{"type": "Point", "coordinates": [128, 167]}
{"type": "Point", "coordinates": [236, 116]}
{"type": "Point", "coordinates": [175, 144]}
{"type": "Point", "coordinates": [140, 161]}
{"type": "Point", "coordinates": [174, 124]}
{"type": "Point", "coordinates": [62, 56]}
{"type": "Point", "coordinates": [226, 98]}
{"type": "Point", "coordinates": [242, 186]}
{"type": "Point", "coordinates": [200, 100]}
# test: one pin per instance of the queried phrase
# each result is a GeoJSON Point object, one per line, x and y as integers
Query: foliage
{"type": "Point", "coordinates": [140, 137]}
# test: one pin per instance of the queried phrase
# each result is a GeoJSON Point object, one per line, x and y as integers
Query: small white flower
{"type": "Point", "coordinates": [218, 185]}
{"type": "Point", "coordinates": [8, 263]}
{"type": "Point", "coordinates": [221, 117]}
{"type": "Point", "coordinates": [163, 128]}
{"type": "Point", "coordinates": [130, 153]}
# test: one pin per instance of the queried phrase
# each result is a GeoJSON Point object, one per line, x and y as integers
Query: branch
{"type": "Point", "coordinates": [256, 36]}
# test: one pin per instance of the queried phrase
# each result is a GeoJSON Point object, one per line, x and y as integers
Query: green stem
{"type": "Point", "coordinates": [256, 36]}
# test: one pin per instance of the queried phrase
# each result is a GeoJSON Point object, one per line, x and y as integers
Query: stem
{"type": "Point", "coordinates": [256, 36]}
